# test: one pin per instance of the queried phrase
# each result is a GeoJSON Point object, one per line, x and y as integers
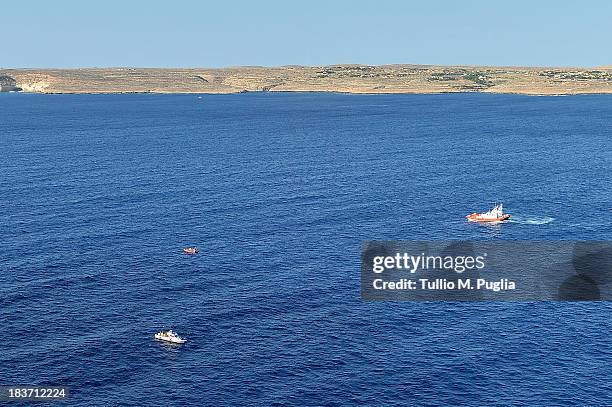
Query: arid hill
{"type": "Point", "coordinates": [334, 78]}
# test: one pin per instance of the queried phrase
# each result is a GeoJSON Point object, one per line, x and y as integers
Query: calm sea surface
{"type": "Point", "coordinates": [98, 194]}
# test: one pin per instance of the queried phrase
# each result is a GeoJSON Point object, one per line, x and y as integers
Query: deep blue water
{"type": "Point", "coordinates": [100, 193]}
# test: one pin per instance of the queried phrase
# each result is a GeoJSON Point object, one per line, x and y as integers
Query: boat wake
{"type": "Point", "coordinates": [531, 220]}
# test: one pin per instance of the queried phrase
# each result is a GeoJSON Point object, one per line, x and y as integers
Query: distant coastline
{"type": "Point", "coordinates": [333, 78]}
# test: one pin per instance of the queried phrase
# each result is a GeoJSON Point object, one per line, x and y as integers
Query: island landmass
{"type": "Point", "coordinates": [332, 78]}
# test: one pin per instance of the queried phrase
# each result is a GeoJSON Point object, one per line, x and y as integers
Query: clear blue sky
{"type": "Point", "coordinates": [97, 33]}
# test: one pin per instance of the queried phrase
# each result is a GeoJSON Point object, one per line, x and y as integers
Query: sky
{"type": "Point", "coordinates": [184, 33]}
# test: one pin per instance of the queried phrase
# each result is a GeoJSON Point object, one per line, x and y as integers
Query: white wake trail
{"type": "Point", "coordinates": [531, 220]}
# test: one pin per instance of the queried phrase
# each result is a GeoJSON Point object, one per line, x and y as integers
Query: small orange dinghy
{"type": "Point", "coordinates": [190, 250]}
{"type": "Point", "coordinates": [493, 216]}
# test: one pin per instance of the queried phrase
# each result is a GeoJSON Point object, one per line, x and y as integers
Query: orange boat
{"type": "Point", "coordinates": [190, 250]}
{"type": "Point", "coordinates": [494, 215]}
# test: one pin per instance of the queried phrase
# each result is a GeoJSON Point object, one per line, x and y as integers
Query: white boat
{"type": "Point", "coordinates": [169, 336]}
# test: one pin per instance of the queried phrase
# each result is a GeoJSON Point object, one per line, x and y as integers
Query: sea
{"type": "Point", "coordinates": [100, 193]}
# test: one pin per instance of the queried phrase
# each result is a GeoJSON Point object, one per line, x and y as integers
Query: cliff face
{"type": "Point", "coordinates": [8, 84]}
{"type": "Point", "coordinates": [335, 78]}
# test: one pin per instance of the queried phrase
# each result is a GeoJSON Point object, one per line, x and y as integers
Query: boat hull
{"type": "Point", "coordinates": [475, 217]}
{"type": "Point", "coordinates": [169, 340]}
